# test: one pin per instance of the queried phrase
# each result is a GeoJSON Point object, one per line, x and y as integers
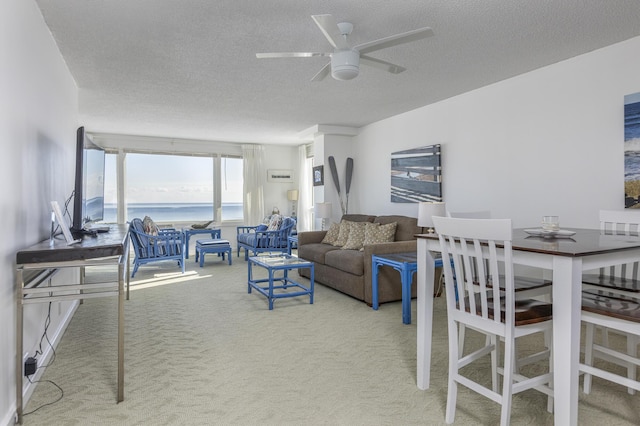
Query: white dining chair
{"type": "Point", "coordinates": [621, 279]}
{"type": "Point", "coordinates": [488, 310]}
{"type": "Point", "coordinates": [612, 311]}
{"type": "Point", "coordinates": [524, 287]}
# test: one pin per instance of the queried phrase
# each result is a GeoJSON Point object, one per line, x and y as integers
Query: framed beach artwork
{"type": "Point", "coordinates": [632, 151]}
{"type": "Point", "coordinates": [416, 175]}
{"type": "Point", "coordinates": [318, 176]}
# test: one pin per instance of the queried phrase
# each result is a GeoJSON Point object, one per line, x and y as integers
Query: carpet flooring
{"type": "Point", "coordinates": [200, 350]}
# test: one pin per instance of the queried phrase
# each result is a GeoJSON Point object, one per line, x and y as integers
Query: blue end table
{"type": "Point", "coordinates": [407, 265]}
{"type": "Point", "coordinates": [188, 232]}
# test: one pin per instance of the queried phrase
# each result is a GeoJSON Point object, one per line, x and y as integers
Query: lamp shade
{"type": "Point", "coordinates": [427, 210]}
{"type": "Point", "coordinates": [292, 195]}
{"type": "Point", "coordinates": [323, 210]}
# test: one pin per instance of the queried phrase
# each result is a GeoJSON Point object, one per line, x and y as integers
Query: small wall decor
{"type": "Point", "coordinates": [344, 205]}
{"type": "Point", "coordinates": [279, 175]}
{"type": "Point", "coordinates": [632, 151]}
{"type": "Point", "coordinates": [416, 175]}
{"type": "Point", "coordinates": [318, 176]}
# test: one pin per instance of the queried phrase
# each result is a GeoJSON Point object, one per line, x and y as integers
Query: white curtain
{"type": "Point", "coordinates": [305, 188]}
{"type": "Point", "coordinates": [254, 175]}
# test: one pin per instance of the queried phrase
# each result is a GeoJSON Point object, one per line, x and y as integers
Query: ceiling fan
{"type": "Point", "coordinates": [346, 60]}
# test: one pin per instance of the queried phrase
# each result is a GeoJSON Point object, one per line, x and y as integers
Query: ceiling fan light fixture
{"type": "Point", "coordinates": [345, 64]}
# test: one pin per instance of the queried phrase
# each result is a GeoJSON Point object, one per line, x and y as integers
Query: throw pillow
{"type": "Point", "coordinates": [356, 236]}
{"type": "Point", "coordinates": [380, 234]}
{"type": "Point", "coordinates": [274, 222]}
{"type": "Point", "coordinates": [343, 235]}
{"type": "Point", "coordinates": [332, 234]}
{"type": "Point", "coordinates": [261, 228]}
{"type": "Point", "coordinates": [149, 226]}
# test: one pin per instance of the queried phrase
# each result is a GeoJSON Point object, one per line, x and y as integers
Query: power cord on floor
{"type": "Point", "coordinates": [40, 351]}
{"type": "Point", "coordinates": [48, 403]}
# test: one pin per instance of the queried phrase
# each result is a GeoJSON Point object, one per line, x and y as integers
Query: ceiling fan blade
{"type": "Point", "coordinates": [383, 65]}
{"type": "Point", "coordinates": [329, 27]}
{"type": "Point", "coordinates": [394, 40]}
{"type": "Point", "coordinates": [290, 55]}
{"type": "Point", "coordinates": [322, 73]}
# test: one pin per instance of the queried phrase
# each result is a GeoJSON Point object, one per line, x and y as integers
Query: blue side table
{"type": "Point", "coordinates": [407, 265]}
{"type": "Point", "coordinates": [188, 232]}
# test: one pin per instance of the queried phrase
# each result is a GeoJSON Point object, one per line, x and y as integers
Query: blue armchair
{"type": "Point", "coordinates": [167, 245]}
{"type": "Point", "coordinates": [258, 239]}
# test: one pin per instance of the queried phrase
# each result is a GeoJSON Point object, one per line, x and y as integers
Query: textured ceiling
{"type": "Point", "coordinates": [187, 69]}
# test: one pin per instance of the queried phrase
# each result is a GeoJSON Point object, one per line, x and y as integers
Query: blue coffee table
{"type": "Point", "coordinates": [287, 287]}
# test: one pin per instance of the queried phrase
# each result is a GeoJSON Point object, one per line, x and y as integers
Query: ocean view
{"type": "Point", "coordinates": [176, 212]}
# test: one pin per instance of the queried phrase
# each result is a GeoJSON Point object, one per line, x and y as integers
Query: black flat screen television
{"type": "Point", "coordinates": [88, 199]}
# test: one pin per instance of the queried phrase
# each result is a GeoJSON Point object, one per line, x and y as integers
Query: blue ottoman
{"type": "Point", "coordinates": [212, 246]}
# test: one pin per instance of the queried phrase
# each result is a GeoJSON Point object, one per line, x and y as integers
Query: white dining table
{"type": "Point", "coordinates": [567, 258]}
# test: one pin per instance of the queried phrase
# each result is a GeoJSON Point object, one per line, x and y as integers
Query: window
{"type": "Point", "coordinates": [110, 188]}
{"type": "Point", "coordinates": [169, 187]}
{"type": "Point", "coordinates": [176, 188]}
{"type": "Point", "coordinates": [231, 188]}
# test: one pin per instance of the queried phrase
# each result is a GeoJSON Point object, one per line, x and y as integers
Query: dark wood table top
{"type": "Point", "coordinates": [103, 244]}
{"type": "Point", "coordinates": [584, 243]}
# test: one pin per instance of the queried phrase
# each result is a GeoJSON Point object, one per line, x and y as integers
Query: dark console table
{"type": "Point", "coordinates": [36, 265]}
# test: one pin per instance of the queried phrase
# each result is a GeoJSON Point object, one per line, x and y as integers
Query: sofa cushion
{"type": "Point", "coordinates": [343, 235]}
{"type": "Point", "coordinates": [332, 234]}
{"type": "Point", "coordinates": [249, 238]}
{"type": "Point", "coordinates": [376, 233]}
{"type": "Point", "coordinates": [355, 240]}
{"type": "Point", "coordinates": [351, 261]}
{"type": "Point", "coordinates": [406, 229]}
{"type": "Point", "coordinates": [358, 218]}
{"type": "Point", "coordinates": [315, 252]}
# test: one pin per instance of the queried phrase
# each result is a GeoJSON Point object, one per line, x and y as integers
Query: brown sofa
{"type": "Point", "coordinates": [349, 271]}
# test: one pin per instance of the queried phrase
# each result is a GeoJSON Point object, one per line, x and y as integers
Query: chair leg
{"type": "Point", "coordinates": [495, 353]}
{"type": "Point", "coordinates": [632, 350]}
{"type": "Point", "coordinates": [588, 357]}
{"type": "Point", "coordinates": [507, 383]}
{"type": "Point", "coordinates": [461, 335]}
{"type": "Point", "coordinates": [605, 336]}
{"type": "Point", "coordinates": [452, 392]}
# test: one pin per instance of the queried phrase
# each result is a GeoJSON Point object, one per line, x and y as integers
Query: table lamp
{"type": "Point", "coordinates": [292, 195]}
{"type": "Point", "coordinates": [323, 211]}
{"type": "Point", "coordinates": [426, 211]}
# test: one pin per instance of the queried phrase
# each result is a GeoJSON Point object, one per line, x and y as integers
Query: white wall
{"type": "Point", "coordinates": [279, 157]}
{"type": "Point", "coordinates": [546, 142]}
{"type": "Point", "coordinates": [38, 120]}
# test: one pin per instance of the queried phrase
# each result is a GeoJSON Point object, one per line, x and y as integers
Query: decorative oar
{"type": "Point", "coordinates": [349, 173]}
{"type": "Point", "coordinates": [336, 181]}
